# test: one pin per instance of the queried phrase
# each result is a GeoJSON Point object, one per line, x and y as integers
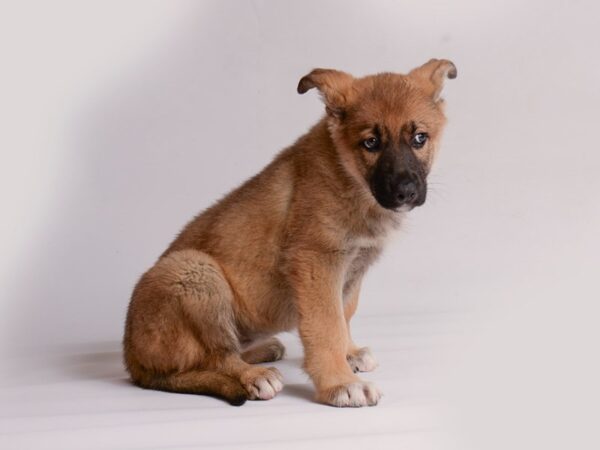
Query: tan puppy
{"type": "Point", "coordinates": [289, 249]}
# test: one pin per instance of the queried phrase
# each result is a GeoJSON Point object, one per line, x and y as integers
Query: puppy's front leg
{"type": "Point", "coordinates": [360, 358]}
{"type": "Point", "coordinates": [317, 281]}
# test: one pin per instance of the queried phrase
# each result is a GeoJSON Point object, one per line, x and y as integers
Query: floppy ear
{"type": "Point", "coordinates": [432, 74]}
{"type": "Point", "coordinates": [335, 88]}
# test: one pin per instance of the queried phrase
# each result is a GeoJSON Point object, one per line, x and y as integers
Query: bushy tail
{"type": "Point", "coordinates": [198, 382]}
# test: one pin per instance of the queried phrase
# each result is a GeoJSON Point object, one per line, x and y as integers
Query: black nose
{"type": "Point", "coordinates": [406, 191]}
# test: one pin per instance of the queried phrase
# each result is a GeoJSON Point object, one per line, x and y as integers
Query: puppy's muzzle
{"type": "Point", "coordinates": [407, 189]}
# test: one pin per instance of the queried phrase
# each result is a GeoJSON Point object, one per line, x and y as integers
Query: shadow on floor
{"type": "Point", "coordinates": [96, 366]}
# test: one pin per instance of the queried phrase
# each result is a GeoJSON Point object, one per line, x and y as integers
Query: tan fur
{"type": "Point", "coordinates": [288, 249]}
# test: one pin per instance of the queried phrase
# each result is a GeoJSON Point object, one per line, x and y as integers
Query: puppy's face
{"type": "Point", "coordinates": [386, 127]}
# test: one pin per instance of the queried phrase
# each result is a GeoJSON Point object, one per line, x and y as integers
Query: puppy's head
{"type": "Point", "coordinates": [386, 127]}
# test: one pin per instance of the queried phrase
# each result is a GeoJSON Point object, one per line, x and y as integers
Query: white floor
{"type": "Point", "coordinates": [79, 397]}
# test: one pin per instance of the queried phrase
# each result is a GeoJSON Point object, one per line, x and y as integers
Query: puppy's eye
{"type": "Point", "coordinates": [418, 140]}
{"type": "Point", "coordinates": [371, 144]}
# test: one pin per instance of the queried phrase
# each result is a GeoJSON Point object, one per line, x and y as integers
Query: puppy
{"type": "Point", "coordinates": [289, 248]}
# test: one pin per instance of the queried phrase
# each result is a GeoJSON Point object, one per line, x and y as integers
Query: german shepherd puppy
{"type": "Point", "coordinates": [289, 249]}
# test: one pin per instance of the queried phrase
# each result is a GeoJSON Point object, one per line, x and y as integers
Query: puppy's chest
{"type": "Point", "coordinates": [362, 243]}
{"type": "Point", "coordinates": [362, 252]}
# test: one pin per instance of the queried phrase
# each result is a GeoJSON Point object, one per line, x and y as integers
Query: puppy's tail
{"type": "Point", "coordinates": [199, 382]}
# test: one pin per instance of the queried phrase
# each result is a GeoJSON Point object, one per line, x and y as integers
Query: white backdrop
{"type": "Point", "coordinates": [121, 120]}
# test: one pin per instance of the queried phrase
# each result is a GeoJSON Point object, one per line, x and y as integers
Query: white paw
{"type": "Point", "coordinates": [265, 384]}
{"type": "Point", "coordinates": [360, 393]}
{"type": "Point", "coordinates": [362, 360]}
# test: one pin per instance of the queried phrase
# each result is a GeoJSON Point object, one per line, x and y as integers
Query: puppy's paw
{"type": "Point", "coordinates": [268, 351]}
{"type": "Point", "coordinates": [359, 393]}
{"type": "Point", "coordinates": [262, 383]}
{"type": "Point", "coordinates": [275, 350]}
{"type": "Point", "coordinates": [362, 360]}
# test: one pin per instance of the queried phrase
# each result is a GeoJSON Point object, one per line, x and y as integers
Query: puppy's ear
{"type": "Point", "coordinates": [335, 88]}
{"type": "Point", "coordinates": [432, 74]}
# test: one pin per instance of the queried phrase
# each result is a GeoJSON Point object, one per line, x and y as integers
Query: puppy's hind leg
{"type": "Point", "coordinates": [180, 324]}
{"type": "Point", "coordinates": [211, 317]}
{"type": "Point", "coordinates": [201, 382]}
{"type": "Point", "coordinates": [201, 302]}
